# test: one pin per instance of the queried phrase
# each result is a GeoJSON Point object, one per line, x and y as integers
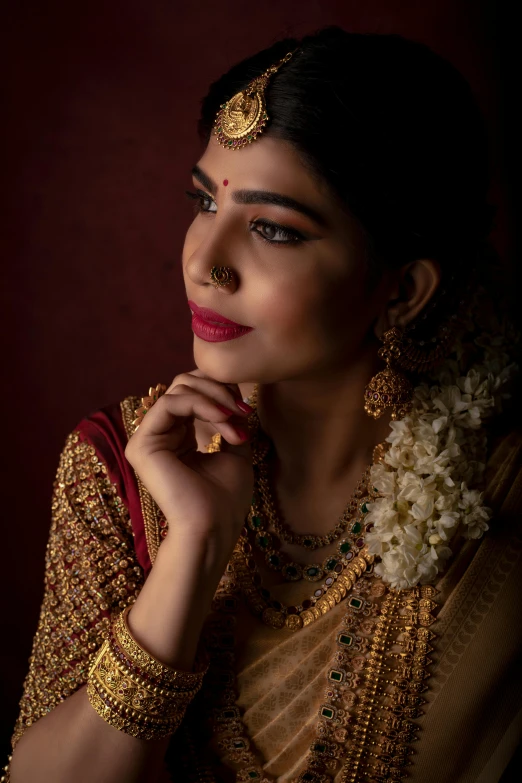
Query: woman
{"type": "Point", "coordinates": [359, 623]}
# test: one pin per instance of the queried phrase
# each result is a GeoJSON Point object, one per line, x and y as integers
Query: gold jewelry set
{"type": "Point", "coordinates": [133, 691]}
{"type": "Point", "coordinates": [136, 693]}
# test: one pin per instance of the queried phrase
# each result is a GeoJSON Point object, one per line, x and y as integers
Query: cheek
{"type": "Point", "coordinates": [313, 309]}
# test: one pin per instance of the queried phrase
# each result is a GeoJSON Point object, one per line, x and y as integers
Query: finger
{"type": "Point", "coordinates": [220, 392]}
{"type": "Point", "coordinates": [172, 409]}
{"type": "Point", "coordinates": [234, 387]}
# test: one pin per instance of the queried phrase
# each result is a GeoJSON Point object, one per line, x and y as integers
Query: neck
{"type": "Point", "coordinates": [319, 429]}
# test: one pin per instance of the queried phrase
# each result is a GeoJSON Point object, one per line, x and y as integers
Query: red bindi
{"type": "Point", "coordinates": [225, 182]}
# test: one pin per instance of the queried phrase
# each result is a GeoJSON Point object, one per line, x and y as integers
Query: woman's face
{"type": "Point", "coordinates": [300, 277]}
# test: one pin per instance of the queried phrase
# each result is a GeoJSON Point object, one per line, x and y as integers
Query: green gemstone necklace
{"type": "Point", "coordinates": [263, 498]}
{"type": "Point", "coordinates": [263, 518]}
{"type": "Point", "coordinates": [276, 560]}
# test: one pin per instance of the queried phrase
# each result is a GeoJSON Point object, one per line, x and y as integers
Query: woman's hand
{"type": "Point", "coordinates": [204, 497]}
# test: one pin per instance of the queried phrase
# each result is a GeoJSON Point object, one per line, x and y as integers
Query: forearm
{"type": "Point", "coordinates": [168, 616]}
{"type": "Point", "coordinates": [73, 742]}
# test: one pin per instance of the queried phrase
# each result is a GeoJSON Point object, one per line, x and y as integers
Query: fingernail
{"type": "Point", "coordinates": [225, 410]}
{"type": "Point", "coordinates": [244, 406]}
{"type": "Point", "coordinates": [242, 434]}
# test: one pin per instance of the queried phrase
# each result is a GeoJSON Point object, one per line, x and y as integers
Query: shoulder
{"type": "Point", "coordinates": [107, 431]}
{"type": "Point", "coordinates": [102, 437]}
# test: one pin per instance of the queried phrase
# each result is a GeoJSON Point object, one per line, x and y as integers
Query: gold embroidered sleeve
{"type": "Point", "coordinates": [91, 572]}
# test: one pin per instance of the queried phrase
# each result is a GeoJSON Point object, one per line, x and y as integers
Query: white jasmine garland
{"type": "Point", "coordinates": [428, 481]}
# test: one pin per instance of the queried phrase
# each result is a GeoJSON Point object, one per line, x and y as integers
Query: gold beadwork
{"type": "Point", "coordinates": [389, 388]}
{"type": "Point", "coordinates": [91, 570]}
{"type": "Point", "coordinates": [154, 522]}
{"type": "Point", "coordinates": [241, 119]}
{"type": "Point", "coordinates": [221, 276]}
{"type": "Point", "coordinates": [87, 506]}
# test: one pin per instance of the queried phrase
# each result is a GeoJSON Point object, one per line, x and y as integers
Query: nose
{"type": "Point", "coordinates": [209, 256]}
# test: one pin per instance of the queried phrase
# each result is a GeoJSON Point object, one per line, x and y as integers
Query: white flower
{"type": "Point", "coordinates": [436, 453]}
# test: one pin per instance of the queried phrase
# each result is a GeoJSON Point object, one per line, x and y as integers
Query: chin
{"type": "Point", "coordinates": [223, 368]}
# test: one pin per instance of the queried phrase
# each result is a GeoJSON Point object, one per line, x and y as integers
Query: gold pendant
{"type": "Point", "coordinates": [241, 119]}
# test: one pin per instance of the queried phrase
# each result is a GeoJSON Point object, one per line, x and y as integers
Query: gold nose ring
{"type": "Point", "coordinates": [221, 275]}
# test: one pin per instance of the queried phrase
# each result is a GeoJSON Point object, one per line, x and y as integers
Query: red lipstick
{"type": "Point", "coordinates": [214, 327]}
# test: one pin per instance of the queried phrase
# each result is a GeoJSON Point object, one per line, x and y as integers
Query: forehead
{"type": "Point", "coordinates": [266, 164]}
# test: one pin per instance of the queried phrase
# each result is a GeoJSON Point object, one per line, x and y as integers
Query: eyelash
{"type": "Point", "coordinates": [292, 237]}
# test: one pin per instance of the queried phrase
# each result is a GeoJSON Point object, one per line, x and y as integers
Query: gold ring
{"type": "Point", "coordinates": [147, 403]}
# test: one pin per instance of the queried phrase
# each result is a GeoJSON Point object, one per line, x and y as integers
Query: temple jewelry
{"type": "Point", "coordinates": [389, 388]}
{"type": "Point", "coordinates": [221, 276]}
{"type": "Point", "coordinates": [241, 119]}
{"type": "Point", "coordinates": [147, 403]}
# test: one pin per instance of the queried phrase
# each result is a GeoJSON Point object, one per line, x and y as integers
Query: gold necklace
{"type": "Point", "coordinates": [378, 730]}
{"type": "Point", "coordinates": [275, 613]}
{"type": "Point", "coordinates": [264, 497]}
{"type": "Point", "coordinates": [262, 516]}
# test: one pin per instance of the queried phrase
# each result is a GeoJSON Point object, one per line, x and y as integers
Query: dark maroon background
{"type": "Point", "coordinates": [99, 138]}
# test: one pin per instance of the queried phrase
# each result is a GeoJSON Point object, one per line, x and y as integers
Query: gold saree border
{"type": "Point", "coordinates": [150, 510]}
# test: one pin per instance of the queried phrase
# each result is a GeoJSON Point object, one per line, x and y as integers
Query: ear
{"type": "Point", "coordinates": [413, 287]}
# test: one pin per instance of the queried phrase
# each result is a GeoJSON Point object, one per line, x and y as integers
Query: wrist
{"type": "Point", "coordinates": [196, 555]}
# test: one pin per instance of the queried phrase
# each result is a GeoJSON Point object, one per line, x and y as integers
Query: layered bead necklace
{"type": "Point", "coordinates": [375, 619]}
{"type": "Point", "coordinates": [337, 571]}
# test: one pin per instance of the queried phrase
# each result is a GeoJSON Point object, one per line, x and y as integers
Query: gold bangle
{"type": "Point", "coordinates": [126, 721]}
{"type": "Point", "coordinates": [134, 692]}
{"type": "Point", "coordinates": [143, 711]}
{"type": "Point", "coordinates": [149, 665]}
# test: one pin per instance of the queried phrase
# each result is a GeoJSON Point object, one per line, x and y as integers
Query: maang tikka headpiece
{"type": "Point", "coordinates": [241, 119]}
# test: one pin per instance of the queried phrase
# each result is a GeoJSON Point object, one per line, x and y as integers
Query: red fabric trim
{"type": "Point", "coordinates": [105, 430]}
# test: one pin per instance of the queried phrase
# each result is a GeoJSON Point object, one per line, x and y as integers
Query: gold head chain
{"type": "Point", "coordinates": [240, 120]}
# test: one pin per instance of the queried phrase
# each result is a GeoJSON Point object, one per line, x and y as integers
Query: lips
{"type": "Point", "coordinates": [214, 327]}
{"type": "Point", "coordinates": [212, 317]}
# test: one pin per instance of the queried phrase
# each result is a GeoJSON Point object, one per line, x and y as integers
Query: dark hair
{"type": "Point", "coordinates": [391, 127]}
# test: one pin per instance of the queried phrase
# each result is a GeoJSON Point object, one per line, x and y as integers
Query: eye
{"type": "Point", "coordinates": [276, 234]}
{"type": "Point", "coordinates": [203, 202]}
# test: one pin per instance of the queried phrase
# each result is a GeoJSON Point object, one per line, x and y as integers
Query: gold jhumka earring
{"type": "Point", "coordinates": [434, 332]}
{"type": "Point", "coordinates": [389, 388]}
{"type": "Point", "coordinates": [241, 119]}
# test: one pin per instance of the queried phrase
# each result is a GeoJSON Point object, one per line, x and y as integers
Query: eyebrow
{"type": "Point", "coordinates": [260, 197]}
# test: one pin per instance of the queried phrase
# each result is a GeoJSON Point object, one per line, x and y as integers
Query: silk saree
{"type": "Point", "coordinates": [104, 536]}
